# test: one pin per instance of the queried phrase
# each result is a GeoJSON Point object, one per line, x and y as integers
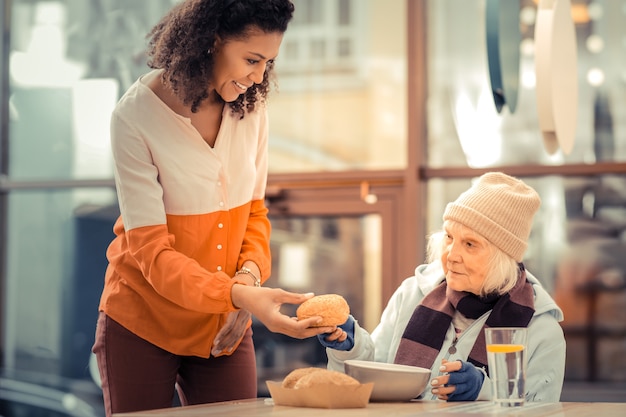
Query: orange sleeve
{"type": "Point", "coordinates": [256, 243]}
{"type": "Point", "coordinates": [174, 276]}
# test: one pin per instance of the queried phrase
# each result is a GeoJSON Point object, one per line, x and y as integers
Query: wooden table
{"type": "Point", "coordinates": [265, 407]}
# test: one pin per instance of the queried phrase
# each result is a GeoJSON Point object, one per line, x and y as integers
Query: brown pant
{"type": "Point", "coordinates": [137, 375]}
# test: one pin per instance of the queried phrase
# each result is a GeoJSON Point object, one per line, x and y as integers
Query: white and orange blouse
{"type": "Point", "coordinates": [190, 216]}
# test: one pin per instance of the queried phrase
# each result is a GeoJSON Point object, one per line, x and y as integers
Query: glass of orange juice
{"type": "Point", "coordinates": [506, 357]}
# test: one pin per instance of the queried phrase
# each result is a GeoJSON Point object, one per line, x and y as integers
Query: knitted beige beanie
{"type": "Point", "coordinates": [500, 208]}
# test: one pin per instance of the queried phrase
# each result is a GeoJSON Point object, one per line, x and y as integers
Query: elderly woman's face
{"type": "Point", "coordinates": [464, 257]}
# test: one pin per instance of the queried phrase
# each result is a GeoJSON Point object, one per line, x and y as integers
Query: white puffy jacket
{"type": "Point", "coordinates": [546, 343]}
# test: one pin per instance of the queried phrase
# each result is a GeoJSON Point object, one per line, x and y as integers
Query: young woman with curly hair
{"type": "Point", "coordinates": [191, 250]}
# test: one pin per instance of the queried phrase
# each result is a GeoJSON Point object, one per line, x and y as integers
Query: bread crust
{"type": "Point", "coordinates": [310, 377]}
{"type": "Point", "coordinates": [292, 377]}
{"type": "Point", "coordinates": [332, 308]}
{"type": "Point", "coordinates": [325, 377]}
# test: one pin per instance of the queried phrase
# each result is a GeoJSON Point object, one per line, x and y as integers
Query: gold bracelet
{"type": "Point", "coordinates": [244, 270]}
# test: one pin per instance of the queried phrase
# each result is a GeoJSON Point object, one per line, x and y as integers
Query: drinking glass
{"type": "Point", "coordinates": [506, 356]}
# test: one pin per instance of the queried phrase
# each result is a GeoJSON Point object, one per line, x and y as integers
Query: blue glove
{"type": "Point", "coordinates": [347, 344]}
{"type": "Point", "coordinates": [468, 381]}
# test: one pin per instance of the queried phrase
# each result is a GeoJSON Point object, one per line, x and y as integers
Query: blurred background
{"type": "Point", "coordinates": [383, 114]}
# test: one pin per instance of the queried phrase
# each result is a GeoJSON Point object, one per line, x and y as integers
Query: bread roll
{"type": "Point", "coordinates": [309, 377]}
{"type": "Point", "coordinates": [323, 377]}
{"type": "Point", "coordinates": [332, 308]}
{"type": "Point", "coordinates": [293, 377]}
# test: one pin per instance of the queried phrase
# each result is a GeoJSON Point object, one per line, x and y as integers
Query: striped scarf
{"type": "Point", "coordinates": [424, 334]}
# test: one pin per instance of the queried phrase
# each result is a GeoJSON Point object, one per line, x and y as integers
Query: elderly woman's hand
{"type": "Point", "coordinates": [462, 382]}
{"type": "Point", "coordinates": [342, 338]}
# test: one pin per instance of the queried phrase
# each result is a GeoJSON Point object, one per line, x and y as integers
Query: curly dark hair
{"type": "Point", "coordinates": [180, 42]}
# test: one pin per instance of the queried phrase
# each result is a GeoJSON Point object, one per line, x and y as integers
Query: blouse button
{"type": "Point", "coordinates": [219, 247]}
{"type": "Point", "coordinates": [220, 225]}
{"type": "Point", "coordinates": [219, 268]}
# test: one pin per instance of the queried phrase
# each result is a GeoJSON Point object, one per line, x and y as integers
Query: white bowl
{"type": "Point", "coordinates": [392, 382]}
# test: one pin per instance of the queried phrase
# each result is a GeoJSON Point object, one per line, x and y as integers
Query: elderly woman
{"type": "Point", "coordinates": [475, 279]}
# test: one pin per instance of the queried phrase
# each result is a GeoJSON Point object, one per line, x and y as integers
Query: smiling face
{"type": "Point", "coordinates": [240, 63]}
{"type": "Point", "coordinates": [465, 258]}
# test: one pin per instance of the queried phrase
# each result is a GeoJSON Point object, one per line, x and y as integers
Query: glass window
{"type": "Point", "coordinates": [55, 273]}
{"type": "Point", "coordinates": [67, 63]}
{"type": "Point", "coordinates": [342, 80]}
{"type": "Point", "coordinates": [345, 12]}
{"type": "Point", "coordinates": [70, 60]}
{"type": "Point", "coordinates": [341, 72]}
{"type": "Point", "coordinates": [464, 127]}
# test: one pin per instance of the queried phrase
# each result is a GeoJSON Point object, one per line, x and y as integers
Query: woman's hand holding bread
{"type": "Point", "coordinates": [316, 315]}
{"type": "Point", "coordinates": [332, 308]}
{"type": "Point", "coordinates": [264, 303]}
